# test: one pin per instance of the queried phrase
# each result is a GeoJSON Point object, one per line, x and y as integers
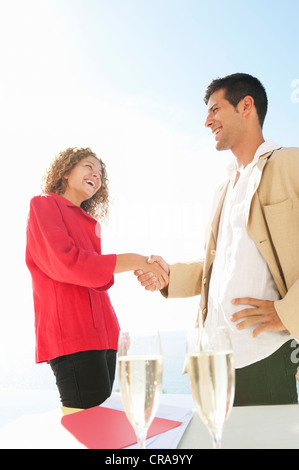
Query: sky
{"type": "Point", "coordinates": [127, 78]}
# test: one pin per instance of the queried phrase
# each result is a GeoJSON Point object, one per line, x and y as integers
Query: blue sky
{"type": "Point", "coordinates": [127, 77]}
{"type": "Point", "coordinates": [169, 50]}
{"type": "Point", "coordinates": [166, 50]}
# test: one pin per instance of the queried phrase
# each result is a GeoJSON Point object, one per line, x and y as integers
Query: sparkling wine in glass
{"type": "Point", "coordinates": [140, 371]}
{"type": "Point", "coordinates": [212, 377]}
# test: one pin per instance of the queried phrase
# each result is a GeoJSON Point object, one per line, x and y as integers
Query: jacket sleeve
{"type": "Point", "coordinates": [287, 309]}
{"type": "Point", "coordinates": [53, 251]}
{"type": "Point", "coordinates": [185, 280]}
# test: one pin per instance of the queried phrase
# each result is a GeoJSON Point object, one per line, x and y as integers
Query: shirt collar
{"type": "Point", "coordinates": [265, 147]}
{"type": "Point", "coordinates": [62, 200]}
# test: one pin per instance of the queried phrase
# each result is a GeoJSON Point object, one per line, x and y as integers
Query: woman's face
{"type": "Point", "coordinates": [83, 181]}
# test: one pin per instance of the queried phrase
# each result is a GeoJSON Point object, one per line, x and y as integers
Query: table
{"type": "Point", "coordinates": [255, 427]}
{"type": "Point", "coordinates": [252, 427]}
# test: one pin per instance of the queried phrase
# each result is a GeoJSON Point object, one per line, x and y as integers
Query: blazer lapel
{"type": "Point", "coordinates": [256, 225]}
{"type": "Point", "coordinates": [258, 231]}
{"type": "Point", "coordinates": [217, 208]}
{"type": "Point", "coordinates": [213, 225]}
{"type": "Point", "coordinates": [254, 181]}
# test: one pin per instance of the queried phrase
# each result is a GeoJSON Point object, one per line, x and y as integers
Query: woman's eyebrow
{"type": "Point", "coordinates": [100, 169]}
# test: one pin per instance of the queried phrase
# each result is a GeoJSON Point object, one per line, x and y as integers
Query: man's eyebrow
{"type": "Point", "coordinates": [211, 108]}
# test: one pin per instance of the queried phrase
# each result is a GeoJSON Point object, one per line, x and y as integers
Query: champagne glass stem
{"type": "Point", "coordinates": [217, 436]}
{"type": "Point", "coordinates": [141, 438]}
{"type": "Point", "coordinates": [216, 443]}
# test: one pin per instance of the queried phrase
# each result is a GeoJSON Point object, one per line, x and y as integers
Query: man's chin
{"type": "Point", "coordinates": [221, 146]}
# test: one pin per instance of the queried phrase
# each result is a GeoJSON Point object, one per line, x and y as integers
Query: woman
{"type": "Point", "coordinates": [75, 324]}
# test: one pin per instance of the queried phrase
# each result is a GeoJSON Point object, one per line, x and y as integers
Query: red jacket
{"type": "Point", "coordinates": [70, 279]}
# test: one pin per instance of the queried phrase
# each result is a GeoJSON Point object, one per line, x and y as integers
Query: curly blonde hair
{"type": "Point", "coordinates": [63, 163]}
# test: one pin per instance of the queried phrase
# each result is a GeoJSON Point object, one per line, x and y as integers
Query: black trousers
{"type": "Point", "coordinates": [270, 381]}
{"type": "Point", "coordinates": [84, 379]}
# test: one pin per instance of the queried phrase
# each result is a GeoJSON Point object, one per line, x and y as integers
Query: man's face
{"type": "Point", "coordinates": [224, 120]}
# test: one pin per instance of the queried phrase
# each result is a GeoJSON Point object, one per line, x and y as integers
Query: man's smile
{"type": "Point", "coordinates": [216, 131]}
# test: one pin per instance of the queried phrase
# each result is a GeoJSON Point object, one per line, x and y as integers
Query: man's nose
{"type": "Point", "coordinates": [209, 121]}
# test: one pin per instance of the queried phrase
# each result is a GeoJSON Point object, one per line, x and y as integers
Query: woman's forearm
{"type": "Point", "coordinates": [129, 262]}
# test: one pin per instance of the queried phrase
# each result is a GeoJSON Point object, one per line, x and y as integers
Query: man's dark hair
{"type": "Point", "coordinates": [237, 86]}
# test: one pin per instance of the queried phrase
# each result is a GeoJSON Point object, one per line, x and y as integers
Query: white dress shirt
{"type": "Point", "coordinates": [239, 270]}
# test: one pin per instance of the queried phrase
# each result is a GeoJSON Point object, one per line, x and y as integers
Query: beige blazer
{"type": "Point", "coordinates": [272, 205]}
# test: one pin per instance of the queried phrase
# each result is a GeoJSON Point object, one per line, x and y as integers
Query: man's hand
{"type": "Point", "coordinates": [263, 314]}
{"type": "Point", "coordinates": [148, 280]}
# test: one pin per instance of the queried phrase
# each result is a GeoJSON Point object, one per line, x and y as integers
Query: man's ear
{"type": "Point", "coordinates": [246, 105]}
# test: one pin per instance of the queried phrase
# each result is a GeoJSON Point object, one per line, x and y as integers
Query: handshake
{"type": "Point", "coordinates": [158, 276]}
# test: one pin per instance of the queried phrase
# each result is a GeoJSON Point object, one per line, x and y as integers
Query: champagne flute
{"type": "Point", "coordinates": [140, 370]}
{"type": "Point", "coordinates": [212, 377]}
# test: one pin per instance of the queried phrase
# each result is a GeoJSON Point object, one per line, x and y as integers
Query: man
{"type": "Point", "coordinates": [249, 279]}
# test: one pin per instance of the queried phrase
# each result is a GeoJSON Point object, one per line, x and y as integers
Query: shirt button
{"type": "Point", "coordinates": [213, 252]}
